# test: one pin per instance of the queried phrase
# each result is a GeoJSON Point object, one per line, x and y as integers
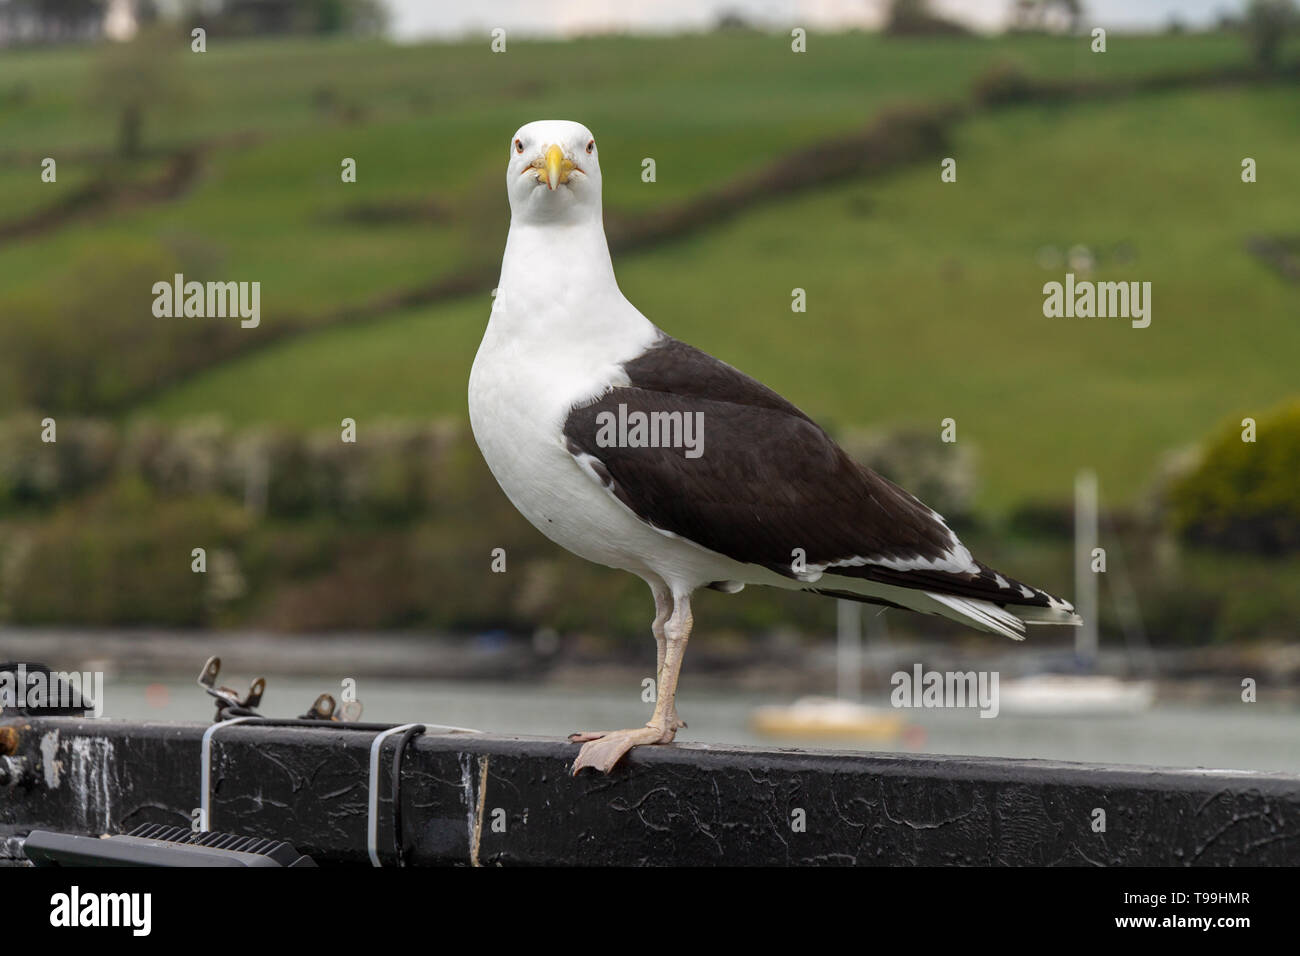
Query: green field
{"type": "Point", "coordinates": [924, 298]}
{"type": "Point", "coordinates": [433, 123]}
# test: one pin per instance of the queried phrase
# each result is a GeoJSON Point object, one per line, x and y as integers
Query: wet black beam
{"type": "Point", "coordinates": [475, 799]}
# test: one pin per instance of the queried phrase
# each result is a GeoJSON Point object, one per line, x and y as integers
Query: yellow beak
{"type": "Point", "coordinates": [555, 164]}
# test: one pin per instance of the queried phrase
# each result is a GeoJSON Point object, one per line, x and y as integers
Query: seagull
{"type": "Point", "coordinates": [639, 452]}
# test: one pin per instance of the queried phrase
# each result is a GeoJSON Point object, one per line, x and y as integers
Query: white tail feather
{"type": "Point", "coordinates": [973, 612]}
{"type": "Point", "coordinates": [1046, 615]}
{"type": "Point", "coordinates": [981, 615]}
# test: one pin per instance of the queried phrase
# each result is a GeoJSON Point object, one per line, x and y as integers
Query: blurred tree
{"type": "Point", "coordinates": [1242, 494]}
{"type": "Point", "coordinates": [255, 17]}
{"type": "Point", "coordinates": [349, 16]}
{"type": "Point", "coordinates": [731, 20]}
{"type": "Point", "coordinates": [139, 77]}
{"type": "Point", "coordinates": [51, 21]}
{"type": "Point", "coordinates": [1267, 23]}
{"type": "Point", "coordinates": [915, 18]}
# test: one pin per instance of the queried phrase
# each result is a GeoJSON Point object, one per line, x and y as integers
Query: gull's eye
{"type": "Point", "coordinates": [519, 146]}
{"type": "Point", "coordinates": [591, 144]}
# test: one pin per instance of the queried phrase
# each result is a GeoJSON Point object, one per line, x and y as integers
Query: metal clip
{"type": "Point", "coordinates": [229, 703]}
{"type": "Point", "coordinates": [322, 709]}
{"type": "Point", "coordinates": [325, 708]}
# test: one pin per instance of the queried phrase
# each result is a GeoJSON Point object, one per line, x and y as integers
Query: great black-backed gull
{"type": "Point", "coordinates": [639, 452]}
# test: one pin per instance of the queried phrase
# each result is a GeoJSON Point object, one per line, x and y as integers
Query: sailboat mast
{"type": "Point", "coordinates": [1085, 579]}
{"type": "Point", "coordinates": [848, 650]}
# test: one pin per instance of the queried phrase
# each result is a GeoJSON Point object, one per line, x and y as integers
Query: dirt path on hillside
{"type": "Point", "coordinates": [103, 196]}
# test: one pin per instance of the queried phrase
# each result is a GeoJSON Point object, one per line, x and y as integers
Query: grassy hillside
{"type": "Point", "coordinates": [432, 124]}
{"type": "Point", "coordinates": [925, 299]}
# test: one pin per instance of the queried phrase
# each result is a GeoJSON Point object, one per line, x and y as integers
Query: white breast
{"type": "Point", "coordinates": [559, 335]}
{"type": "Point", "coordinates": [519, 398]}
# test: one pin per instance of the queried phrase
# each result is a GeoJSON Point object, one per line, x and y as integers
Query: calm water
{"type": "Point", "coordinates": [1239, 737]}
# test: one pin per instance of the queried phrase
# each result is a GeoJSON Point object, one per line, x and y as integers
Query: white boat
{"type": "Point", "coordinates": [1048, 695]}
{"type": "Point", "coordinates": [1053, 695]}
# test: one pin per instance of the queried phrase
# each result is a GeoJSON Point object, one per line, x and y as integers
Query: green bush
{"type": "Point", "coordinates": [1001, 84]}
{"type": "Point", "coordinates": [1244, 496]}
{"type": "Point", "coordinates": [123, 557]}
{"type": "Point", "coordinates": [35, 473]}
{"type": "Point", "coordinates": [391, 473]}
{"type": "Point", "coordinates": [306, 533]}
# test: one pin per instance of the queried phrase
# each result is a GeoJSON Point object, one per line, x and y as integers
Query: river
{"type": "Point", "coordinates": [1233, 736]}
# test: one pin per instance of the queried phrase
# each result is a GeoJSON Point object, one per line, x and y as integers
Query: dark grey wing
{"type": "Point", "coordinates": [768, 481]}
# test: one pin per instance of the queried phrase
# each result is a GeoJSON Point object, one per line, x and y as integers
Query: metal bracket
{"type": "Point", "coordinates": [325, 708]}
{"type": "Point", "coordinates": [229, 703]}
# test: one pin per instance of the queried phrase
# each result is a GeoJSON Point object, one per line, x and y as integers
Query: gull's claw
{"type": "Point", "coordinates": [605, 750]}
